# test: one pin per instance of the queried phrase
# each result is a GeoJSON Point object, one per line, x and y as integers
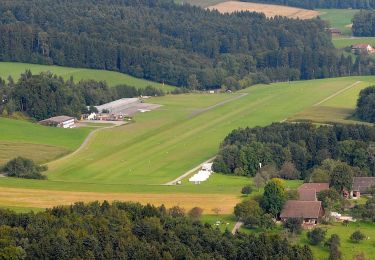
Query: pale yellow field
{"type": "Point", "coordinates": [48, 198]}
{"type": "Point", "coordinates": [268, 10]}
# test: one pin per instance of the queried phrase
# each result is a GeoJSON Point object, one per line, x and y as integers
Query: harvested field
{"type": "Point", "coordinates": [268, 10]}
{"type": "Point", "coordinates": [48, 198]}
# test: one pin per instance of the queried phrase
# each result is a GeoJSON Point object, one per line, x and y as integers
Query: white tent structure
{"type": "Point", "coordinates": [203, 174]}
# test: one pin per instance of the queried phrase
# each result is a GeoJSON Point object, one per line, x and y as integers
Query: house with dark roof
{"type": "Point", "coordinates": [308, 191]}
{"type": "Point", "coordinates": [333, 31]}
{"type": "Point", "coordinates": [361, 185]}
{"type": "Point", "coordinates": [310, 211]}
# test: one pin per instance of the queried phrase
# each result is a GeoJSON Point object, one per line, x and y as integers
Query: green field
{"type": "Point", "coordinates": [348, 248]}
{"type": "Point", "coordinates": [344, 42]}
{"type": "Point", "coordinates": [112, 78]}
{"type": "Point", "coordinates": [339, 18]}
{"type": "Point", "coordinates": [41, 143]}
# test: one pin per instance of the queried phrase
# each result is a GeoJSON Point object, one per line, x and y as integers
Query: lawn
{"type": "Point", "coordinates": [345, 42]}
{"type": "Point", "coordinates": [112, 78]}
{"type": "Point", "coordinates": [41, 143]}
{"type": "Point", "coordinates": [339, 18]}
{"type": "Point", "coordinates": [348, 248]}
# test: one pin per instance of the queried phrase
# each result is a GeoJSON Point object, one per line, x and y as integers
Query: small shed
{"type": "Point", "coordinates": [59, 121]}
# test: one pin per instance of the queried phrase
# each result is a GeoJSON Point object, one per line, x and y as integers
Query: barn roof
{"type": "Point", "coordinates": [362, 184]}
{"type": "Point", "coordinates": [57, 119]}
{"type": "Point", "coordinates": [307, 195]}
{"type": "Point", "coordinates": [301, 209]}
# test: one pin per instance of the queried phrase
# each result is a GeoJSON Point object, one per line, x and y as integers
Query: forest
{"type": "Point", "coordinates": [366, 105]}
{"type": "Point", "coordinates": [312, 4]}
{"type": "Point", "coordinates": [364, 23]}
{"type": "Point", "coordinates": [130, 231]}
{"type": "Point", "coordinates": [45, 95]}
{"type": "Point", "coordinates": [180, 45]}
{"type": "Point", "coordinates": [299, 151]}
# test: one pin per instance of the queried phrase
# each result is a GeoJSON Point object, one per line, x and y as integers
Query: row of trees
{"type": "Point", "coordinates": [364, 23]}
{"type": "Point", "coordinates": [44, 95]}
{"type": "Point", "coordinates": [296, 150]}
{"type": "Point", "coordinates": [366, 105]}
{"type": "Point", "coordinates": [313, 4]}
{"type": "Point", "coordinates": [177, 44]}
{"type": "Point", "coordinates": [130, 231]}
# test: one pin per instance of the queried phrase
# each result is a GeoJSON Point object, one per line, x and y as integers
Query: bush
{"type": "Point", "coordinates": [357, 236]}
{"type": "Point", "coordinates": [294, 225]}
{"type": "Point", "coordinates": [24, 168]}
{"type": "Point", "coordinates": [195, 213]}
{"type": "Point", "coordinates": [246, 190]}
{"type": "Point", "coordinates": [316, 236]}
{"type": "Point", "coordinates": [289, 172]}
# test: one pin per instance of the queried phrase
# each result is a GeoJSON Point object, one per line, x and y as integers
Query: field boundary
{"type": "Point", "coordinates": [337, 93]}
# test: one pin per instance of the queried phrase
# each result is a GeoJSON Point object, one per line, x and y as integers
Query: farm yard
{"type": "Point", "coordinates": [130, 161]}
{"type": "Point", "coordinates": [268, 10]}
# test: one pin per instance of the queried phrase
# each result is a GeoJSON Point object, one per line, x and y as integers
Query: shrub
{"type": "Point", "coordinates": [357, 236]}
{"type": "Point", "coordinates": [246, 190]}
{"type": "Point", "coordinates": [316, 236]}
{"type": "Point", "coordinates": [24, 168]}
{"type": "Point", "coordinates": [195, 213]}
{"type": "Point", "coordinates": [294, 225]}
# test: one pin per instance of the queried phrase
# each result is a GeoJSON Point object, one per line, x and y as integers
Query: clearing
{"type": "Point", "coordinates": [268, 10]}
{"type": "Point", "coordinates": [339, 18]}
{"type": "Point", "coordinates": [112, 78]}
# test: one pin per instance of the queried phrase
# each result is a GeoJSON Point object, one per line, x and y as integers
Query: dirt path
{"type": "Point", "coordinates": [237, 227]}
{"type": "Point", "coordinates": [337, 93]}
{"type": "Point", "coordinates": [189, 172]}
{"type": "Point", "coordinates": [218, 104]}
{"type": "Point", "coordinates": [86, 141]}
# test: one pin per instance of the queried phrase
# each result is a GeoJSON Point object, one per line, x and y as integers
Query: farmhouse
{"type": "Point", "coordinates": [362, 48]}
{"type": "Point", "coordinates": [308, 191]}
{"type": "Point", "coordinates": [310, 211]}
{"type": "Point", "coordinates": [333, 31]}
{"type": "Point", "coordinates": [59, 121]}
{"type": "Point", "coordinates": [361, 185]}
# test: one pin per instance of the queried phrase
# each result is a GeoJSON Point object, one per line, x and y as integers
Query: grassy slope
{"type": "Point", "coordinates": [347, 248]}
{"type": "Point", "coordinates": [337, 109]}
{"type": "Point", "coordinates": [112, 78]}
{"type": "Point", "coordinates": [339, 18]}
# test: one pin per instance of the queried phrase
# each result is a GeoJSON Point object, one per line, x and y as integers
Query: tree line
{"type": "Point", "coordinates": [295, 151]}
{"type": "Point", "coordinates": [130, 231]}
{"type": "Point", "coordinates": [366, 105]}
{"type": "Point", "coordinates": [364, 23]}
{"type": "Point", "coordinates": [45, 95]}
{"type": "Point", "coordinates": [176, 44]}
{"type": "Point", "coordinates": [314, 4]}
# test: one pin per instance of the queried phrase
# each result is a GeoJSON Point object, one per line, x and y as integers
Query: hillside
{"type": "Point", "coordinates": [40, 143]}
{"type": "Point", "coordinates": [112, 78]}
{"type": "Point", "coordinates": [161, 41]}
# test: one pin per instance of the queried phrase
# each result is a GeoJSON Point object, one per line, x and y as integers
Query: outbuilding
{"type": "Point", "coordinates": [59, 121]}
{"type": "Point", "coordinates": [362, 185]}
{"type": "Point", "coordinates": [310, 211]}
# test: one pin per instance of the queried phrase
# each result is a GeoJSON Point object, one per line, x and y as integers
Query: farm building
{"type": "Point", "coordinates": [361, 185]}
{"type": "Point", "coordinates": [59, 121]}
{"type": "Point", "coordinates": [333, 31]}
{"type": "Point", "coordinates": [310, 211]}
{"type": "Point", "coordinates": [362, 48]}
{"type": "Point", "coordinates": [308, 191]}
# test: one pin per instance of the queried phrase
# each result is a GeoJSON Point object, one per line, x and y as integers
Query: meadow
{"type": "Point", "coordinates": [339, 18]}
{"type": "Point", "coordinates": [343, 42]}
{"type": "Point", "coordinates": [40, 143]}
{"type": "Point", "coordinates": [112, 78]}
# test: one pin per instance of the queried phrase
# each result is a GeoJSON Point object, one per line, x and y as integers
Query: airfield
{"type": "Point", "coordinates": [135, 161]}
